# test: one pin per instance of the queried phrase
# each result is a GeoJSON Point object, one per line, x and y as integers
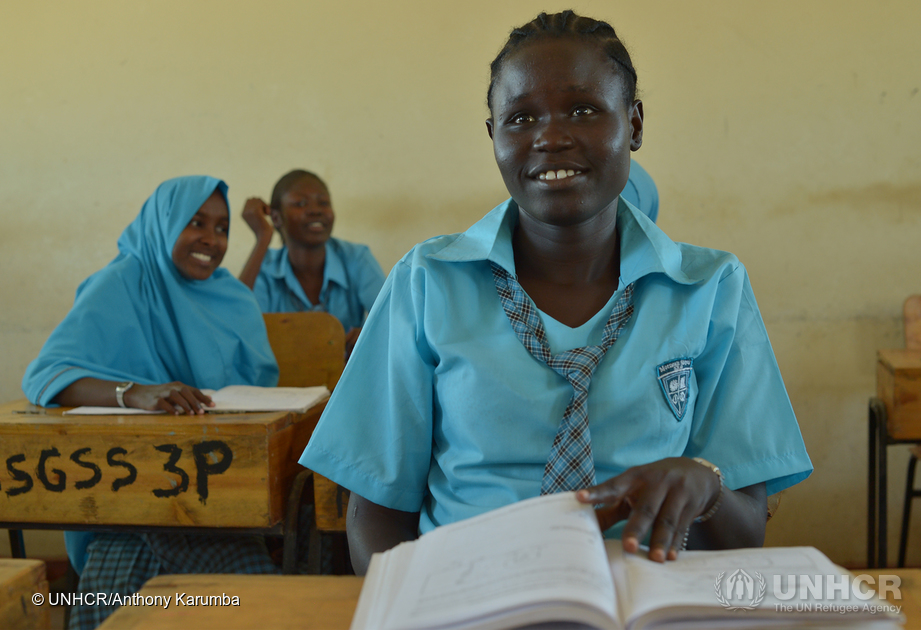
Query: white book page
{"type": "Point", "coordinates": [496, 562]}
{"type": "Point", "coordinates": [240, 398]}
{"type": "Point", "coordinates": [689, 586]}
{"type": "Point", "coordinates": [252, 398]}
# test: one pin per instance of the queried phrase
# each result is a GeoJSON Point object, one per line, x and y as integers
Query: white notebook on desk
{"type": "Point", "coordinates": [234, 398]}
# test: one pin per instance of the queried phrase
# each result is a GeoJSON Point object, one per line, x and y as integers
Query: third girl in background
{"type": "Point", "coordinates": [312, 271]}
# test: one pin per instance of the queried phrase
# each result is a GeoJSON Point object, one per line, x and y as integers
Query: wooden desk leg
{"type": "Point", "coordinates": [17, 544]}
{"type": "Point", "coordinates": [882, 447]}
{"type": "Point", "coordinates": [292, 525]}
{"type": "Point", "coordinates": [871, 487]}
{"type": "Point", "coordinates": [315, 551]}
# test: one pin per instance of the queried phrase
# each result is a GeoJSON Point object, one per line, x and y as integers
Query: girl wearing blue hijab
{"type": "Point", "coordinates": [161, 311]}
{"type": "Point", "coordinates": [150, 330]}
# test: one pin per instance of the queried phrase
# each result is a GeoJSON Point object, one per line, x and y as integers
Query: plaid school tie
{"type": "Point", "coordinates": [570, 465]}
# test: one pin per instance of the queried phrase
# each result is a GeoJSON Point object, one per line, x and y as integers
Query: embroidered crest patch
{"type": "Point", "coordinates": [675, 377]}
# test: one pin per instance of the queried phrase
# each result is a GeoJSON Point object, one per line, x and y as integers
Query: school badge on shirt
{"type": "Point", "coordinates": [675, 377]}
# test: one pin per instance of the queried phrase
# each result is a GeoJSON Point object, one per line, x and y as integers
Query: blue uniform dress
{"type": "Point", "coordinates": [138, 319]}
{"type": "Point", "coordinates": [352, 278]}
{"type": "Point", "coordinates": [442, 410]}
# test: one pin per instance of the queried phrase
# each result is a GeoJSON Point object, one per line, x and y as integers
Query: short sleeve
{"type": "Point", "coordinates": [375, 436]}
{"type": "Point", "coordinates": [743, 420]}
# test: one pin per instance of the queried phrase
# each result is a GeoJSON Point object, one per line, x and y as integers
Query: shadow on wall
{"type": "Point", "coordinates": [889, 202]}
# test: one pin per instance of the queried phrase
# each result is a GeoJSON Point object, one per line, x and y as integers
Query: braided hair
{"type": "Point", "coordinates": [287, 181]}
{"type": "Point", "coordinates": [568, 24]}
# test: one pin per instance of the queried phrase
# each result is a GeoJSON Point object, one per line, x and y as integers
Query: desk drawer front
{"type": "Point", "coordinates": [164, 479]}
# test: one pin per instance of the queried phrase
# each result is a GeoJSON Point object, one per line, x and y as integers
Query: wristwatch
{"type": "Point", "coordinates": [719, 498]}
{"type": "Point", "coordinates": [120, 390]}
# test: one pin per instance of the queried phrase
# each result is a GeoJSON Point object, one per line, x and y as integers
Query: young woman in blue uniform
{"type": "Point", "coordinates": [312, 270]}
{"type": "Point", "coordinates": [563, 342]}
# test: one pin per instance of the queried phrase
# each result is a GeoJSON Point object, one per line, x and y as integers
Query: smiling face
{"type": "Point", "coordinates": [306, 214]}
{"type": "Point", "coordinates": [201, 246]}
{"type": "Point", "coordinates": [562, 132]}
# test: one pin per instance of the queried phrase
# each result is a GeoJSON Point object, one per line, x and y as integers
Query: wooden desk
{"type": "Point", "coordinates": [898, 385]}
{"type": "Point", "coordinates": [231, 471]}
{"type": "Point", "coordinates": [279, 602]}
{"type": "Point", "coordinates": [20, 580]}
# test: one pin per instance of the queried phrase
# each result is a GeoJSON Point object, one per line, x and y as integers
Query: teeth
{"type": "Point", "coordinates": [560, 174]}
{"type": "Point", "coordinates": [201, 257]}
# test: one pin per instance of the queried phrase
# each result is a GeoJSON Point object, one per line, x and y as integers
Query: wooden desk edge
{"type": "Point", "coordinates": [305, 602]}
{"type": "Point", "coordinates": [24, 410]}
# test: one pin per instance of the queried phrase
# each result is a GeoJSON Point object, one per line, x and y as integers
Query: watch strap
{"type": "Point", "coordinates": [120, 390]}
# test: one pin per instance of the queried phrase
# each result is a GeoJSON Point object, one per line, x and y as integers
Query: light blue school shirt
{"type": "Point", "coordinates": [442, 410]}
{"type": "Point", "coordinates": [352, 278]}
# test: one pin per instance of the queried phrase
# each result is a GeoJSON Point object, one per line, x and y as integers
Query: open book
{"type": "Point", "coordinates": [234, 398]}
{"type": "Point", "coordinates": [543, 562]}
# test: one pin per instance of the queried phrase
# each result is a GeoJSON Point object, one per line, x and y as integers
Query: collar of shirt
{"type": "Point", "coordinates": [333, 271]}
{"type": "Point", "coordinates": [645, 248]}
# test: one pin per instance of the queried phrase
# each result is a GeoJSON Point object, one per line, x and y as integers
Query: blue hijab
{"type": "Point", "coordinates": [138, 319]}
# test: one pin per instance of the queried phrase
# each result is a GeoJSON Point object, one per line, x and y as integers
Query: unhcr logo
{"type": "Point", "coordinates": [741, 591]}
{"type": "Point", "coordinates": [835, 587]}
{"type": "Point", "coordinates": [837, 593]}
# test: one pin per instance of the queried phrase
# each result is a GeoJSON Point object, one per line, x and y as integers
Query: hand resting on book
{"type": "Point", "coordinates": [174, 397]}
{"type": "Point", "coordinates": [665, 497]}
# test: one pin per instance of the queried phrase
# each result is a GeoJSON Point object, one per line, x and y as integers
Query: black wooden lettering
{"type": "Point", "coordinates": [200, 452]}
{"type": "Point", "coordinates": [170, 466]}
{"type": "Point", "coordinates": [42, 474]}
{"type": "Point", "coordinates": [18, 475]}
{"type": "Point", "coordinates": [132, 471]}
{"type": "Point", "coordinates": [97, 473]}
